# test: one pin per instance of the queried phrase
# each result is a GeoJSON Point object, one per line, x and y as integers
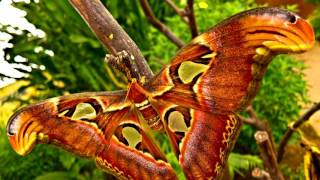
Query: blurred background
{"type": "Point", "coordinates": [47, 50]}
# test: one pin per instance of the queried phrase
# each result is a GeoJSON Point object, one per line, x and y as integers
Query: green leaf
{"type": "Point", "coordinates": [76, 38]}
{"type": "Point", "coordinates": [241, 164]}
{"type": "Point", "coordinates": [67, 160]}
{"type": "Point", "coordinates": [54, 176]}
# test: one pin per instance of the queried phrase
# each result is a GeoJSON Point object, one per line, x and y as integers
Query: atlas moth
{"type": "Point", "coordinates": [194, 100]}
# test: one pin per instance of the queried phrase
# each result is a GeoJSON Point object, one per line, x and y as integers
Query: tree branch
{"type": "Point", "coordinates": [260, 174]}
{"type": "Point", "coordinates": [110, 33]}
{"type": "Point", "coordinates": [258, 124]}
{"type": "Point", "coordinates": [160, 26]}
{"type": "Point", "coordinates": [255, 123]}
{"type": "Point", "coordinates": [265, 142]}
{"type": "Point", "coordinates": [306, 116]}
{"type": "Point", "coordinates": [179, 11]}
{"type": "Point", "coordinates": [268, 154]}
{"type": "Point", "coordinates": [251, 112]}
{"type": "Point", "coordinates": [192, 21]}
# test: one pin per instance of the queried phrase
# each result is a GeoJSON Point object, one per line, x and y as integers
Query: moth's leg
{"type": "Point", "coordinates": [123, 62]}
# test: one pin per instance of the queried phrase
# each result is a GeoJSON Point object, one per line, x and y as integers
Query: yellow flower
{"type": "Point", "coordinates": [58, 84]}
{"type": "Point", "coordinates": [203, 5]}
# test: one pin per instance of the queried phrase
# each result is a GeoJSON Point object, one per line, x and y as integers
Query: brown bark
{"type": "Point", "coordinates": [268, 155]}
{"type": "Point", "coordinates": [192, 20]}
{"type": "Point", "coordinates": [258, 124]}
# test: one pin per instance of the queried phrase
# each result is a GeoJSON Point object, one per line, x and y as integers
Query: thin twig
{"type": "Point", "coordinates": [268, 154]}
{"type": "Point", "coordinates": [306, 116]}
{"type": "Point", "coordinates": [256, 123]}
{"type": "Point", "coordinates": [179, 11]}
{"type": "Point", "coordinates": [187, 15]}
{"type": "Point", "coordinates": [260, 174]}
{"type": "Point", "coordinates": [159, 25]}
{"type": "Point", "coordinates": [110, 33]}
{"type": "Point", "coordinates": [192, 20]}
{"type": "Point", "coordinates": [260, 125]}
{"type": "Point", "coordinates": [251, 112]}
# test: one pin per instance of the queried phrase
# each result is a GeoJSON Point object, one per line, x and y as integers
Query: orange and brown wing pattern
{"type": "Point", "coordinates": [220, 71]}
{"type": "Point", "coordinates": [95, 125]}
{"type": "Point", "coordinates": [206, 146]}
{"type": "Point", "coordinates": [125, 162]}
{"type": "Point", "coordinates": [201, 140]}
{"type": "Point", "coordinates": [133, 154]}
{"type": "Point", "coordinates": [217, 75]}
{"type": "Point", "coordinates": [63, 119]}
{"type": "Point", "coordinates": [73, 121]}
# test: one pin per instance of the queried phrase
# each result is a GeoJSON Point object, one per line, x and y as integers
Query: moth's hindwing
{"type": "Point", "coordinates": [95, 125]}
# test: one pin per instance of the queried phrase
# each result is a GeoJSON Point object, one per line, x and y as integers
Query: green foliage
{"type": "Point", "coordinates": [290, 174]}
{"type": "Point", "coordinates": [315, 21]}
{"type": "Point", "coordinates": [242, 164]}
{"type": "Point", "coordinates": [313, 1]}
{"type": "Point", "coordinates": [175, 164]}
{"type": "Point", "coordinates": [282, 93]}
{"type": "Point", "coordinates": [292, 7]}
{"type": "Point", "coordinates": [134, 21]}
{"type": "Point", "coordinates": [77, 64]}
{"type": "Point", "coordinates": [216, 11]}
{"type": "Point", "coordinates": [280, 99]}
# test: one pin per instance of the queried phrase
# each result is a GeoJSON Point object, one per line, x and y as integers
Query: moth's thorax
{"type": "Point", "coordinates": [139, 96]}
